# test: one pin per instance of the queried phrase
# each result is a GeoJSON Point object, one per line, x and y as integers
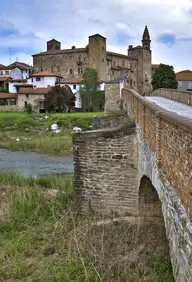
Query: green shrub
{"type": "Point", "coordinates": [28, 108]}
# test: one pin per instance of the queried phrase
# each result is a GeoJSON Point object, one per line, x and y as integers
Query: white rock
{"type": "Point", "coordinates": [17, 139]}
{"type": "Point", "coordinates": [57, 131]}
{"type": "Point", "coordinates": [46, 117]}
{"type": "Point", "coordinates": [54, 126]}
{"type": "Point", "coordinates": [77, 129]}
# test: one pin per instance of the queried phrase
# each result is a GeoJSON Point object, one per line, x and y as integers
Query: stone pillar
{"type": "Point", "coordinates": [112, 98]}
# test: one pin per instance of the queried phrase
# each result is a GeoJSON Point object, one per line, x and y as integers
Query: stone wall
{"type": "Point", "coordinates": [182, 96]}
{"type": "Point", "coordinates": [11, 108]}
{"type": "Point", "coordinates": [109, 121]}
{"type": "Point", "coordinates": [112, 98]}
{"type": "Point", "coordinates": [165, 158]}
{"type": "Point", "coordinates": [105, 173]}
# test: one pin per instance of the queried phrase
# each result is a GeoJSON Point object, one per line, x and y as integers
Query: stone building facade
{"type": "Point", "coordinates": [134, 68]}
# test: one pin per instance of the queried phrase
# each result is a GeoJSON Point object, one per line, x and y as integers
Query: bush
{"type": "Point", "coordinates": [28, 108]}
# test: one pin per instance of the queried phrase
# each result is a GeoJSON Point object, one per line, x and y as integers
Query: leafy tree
{"type": "Point", "coordinates": [90, 79]}
{"type": "Point", "coordinates": [59, 98]}
{"type": "Point", "coordinates": [92, 98]}
{"type": "Point", "coordinates": [164, 77]}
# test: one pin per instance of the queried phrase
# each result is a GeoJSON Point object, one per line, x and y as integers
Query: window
{"type": "Point", "coordinates": [58, 68]}
{"type": "Point", "coordinates": [48, 86]}
{"type": "Point", "coordinates": [38, 78]}
{"type": "Point", "coordinates": [131, 82]}
{"type": "Point", "coordinates": [6, 72]}
{"type": "Point", "coordinates": [52, 69]}
{"type": "Point", "coordinates": [27, 95]}
{"type": "Point", "coordinates": [103, 60]}
{"type": "Point", "coordinates": [80, 70]}
{"type": "Point", "coordinates": [50, 46]}
{"type": "Point", "coordinates": [25, 103]}
{"type": "Point", "coordinates": [114, 63]}
{"type": "Point", "coordinates": [41, 68]}
{"type": "Point", "coordinates": [190, 84]}
{"type": "Point", "coordinates": [1, 72]}
{"type": "Point", "coordinates": [123, 63]}
{"type": "Point", "coordinates": [71, 71]}
{"type": "Point", "coordinates": [113, 72]}
{"type": "Point", "coordinates": [180, 83]}
{"type": "Point", "coordinates": [74, 86]}
{"type": "Point", "coordinates": [103, 48]}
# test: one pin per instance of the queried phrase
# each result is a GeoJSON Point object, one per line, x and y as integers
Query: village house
{"type": "Point", "coordinates": [184, 79]}
{"type": "Point", "coordinates": [4, 77]}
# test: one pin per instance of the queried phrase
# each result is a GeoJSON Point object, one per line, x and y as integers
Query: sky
{"type": "Point", "coordinates": [25, 26]}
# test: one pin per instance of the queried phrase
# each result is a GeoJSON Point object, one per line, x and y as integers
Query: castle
{"type": "Point", "coordinates": [134, 68]}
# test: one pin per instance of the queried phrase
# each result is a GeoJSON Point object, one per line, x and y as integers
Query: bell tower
{"type": "Point", "coordinates": [146, 41]}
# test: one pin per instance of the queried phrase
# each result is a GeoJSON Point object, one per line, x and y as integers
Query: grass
{"type": "Point", "coordinates": [31, 130]}
{"type": "Point", "coordinates": [43, 240]}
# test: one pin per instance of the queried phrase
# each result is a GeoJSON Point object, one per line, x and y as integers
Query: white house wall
{"type": "Point", "coordinates": [44, 81]}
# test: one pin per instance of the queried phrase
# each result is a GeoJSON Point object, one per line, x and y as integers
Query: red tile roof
{"type": "Point", "coordinates": [45, 73]}
{"type": "Point", "coordinates": [7, 95]}
{"type": "Point", "coordinates": [155, 66]}
{"type": "Point", "coordinates": [4, 78]}
{"type": "Point", "coordinates": [72, 81]}
{"type": "Point", "coordinates": [30, 90]}
{"type": "Point", "coordinates": [2, 67]}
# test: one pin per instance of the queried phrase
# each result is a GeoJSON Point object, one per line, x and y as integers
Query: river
{"type": "Point", "coordinates": [33, 164]}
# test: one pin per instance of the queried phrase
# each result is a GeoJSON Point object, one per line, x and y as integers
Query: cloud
{"type": "Point", "coordinates": [32, 23]}
{"type": "Point", "coordinates": [167, 38]}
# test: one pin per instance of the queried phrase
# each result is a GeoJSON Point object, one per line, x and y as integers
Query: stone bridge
{"type": "Point", "coordinates": [141, 168]}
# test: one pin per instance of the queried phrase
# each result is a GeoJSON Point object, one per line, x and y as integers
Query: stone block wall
{"type": "Point", "coordinates": [181, 96]}
{"type": "Point", "coordinates": [105, 173]}
{"type": "Point", "coordinates": [10, 108]}
{"type": "Point", "coordinates": [109, 121]}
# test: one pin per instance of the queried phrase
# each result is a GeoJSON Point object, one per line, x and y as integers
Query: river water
{"type": "Point", "coordinates": [33, 164]}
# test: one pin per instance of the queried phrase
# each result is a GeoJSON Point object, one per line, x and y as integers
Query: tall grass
{"type": "Point", "coordinates": [63, 182]}
{"type": "Point", "coordinates": [44, 240]}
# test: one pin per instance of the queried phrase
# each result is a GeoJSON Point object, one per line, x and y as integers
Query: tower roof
{"type": "Point", "coordinates": [146, 35]}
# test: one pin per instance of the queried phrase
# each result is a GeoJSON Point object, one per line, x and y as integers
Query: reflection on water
{"type": "Point", "coordinates": [33, 164]}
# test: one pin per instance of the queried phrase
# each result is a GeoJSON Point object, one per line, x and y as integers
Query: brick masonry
{"type": "Point", "coordinates": [165, 155]}
{"type": "Point", "coordinates": [106, 170]}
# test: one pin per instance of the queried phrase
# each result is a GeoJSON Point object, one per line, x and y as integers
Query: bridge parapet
{"type": "Point", "coordinates": [169, 136]}
{"type": "Point", "coordinates": [181, 96]}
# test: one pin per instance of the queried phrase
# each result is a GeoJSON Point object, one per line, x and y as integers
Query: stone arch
{"type": "Point", "coordinates": [149, 202]}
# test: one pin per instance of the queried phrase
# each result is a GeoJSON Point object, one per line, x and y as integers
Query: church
{"type": "Point", "coordinates": [134, 68]}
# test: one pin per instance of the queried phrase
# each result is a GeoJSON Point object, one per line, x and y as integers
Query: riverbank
{"type": "Point", "coordinates": [41, 239]}
{"type": "Point", "coordinates": [32, 132]}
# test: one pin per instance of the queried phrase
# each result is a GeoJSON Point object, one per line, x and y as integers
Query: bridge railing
{"type": "Point", "coordinates": [169, 136]}
{"type": "Point", "coordinates": [181, 96]}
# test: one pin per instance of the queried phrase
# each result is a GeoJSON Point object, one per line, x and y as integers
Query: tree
{"type": "Point", "coordinates": [90, 79]}
{"type": "Point", "coordinates": [92, 98]}
{"type": "Point", "coordinates": [164, 77]}
{"type": "Point", "coordinates": [59, 98]}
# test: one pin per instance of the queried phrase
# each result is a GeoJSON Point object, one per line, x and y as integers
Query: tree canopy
{"type": "Point", "coordinates": [92, 98]}
{"type": "Point", "coordinates": [59, 98]}
{"type": "Point", "coordinates": [90, 79]}
{"type": "Point", "coordinates": [164, 77]}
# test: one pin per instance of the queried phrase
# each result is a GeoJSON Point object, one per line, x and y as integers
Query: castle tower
{"type": "Point", "coordinates": [97, 55]}
{"type": "Point", "coordinates": [146, 41]}
{"type": "Point", "coordinates": [53, 45]}
{"type": "Point", "coordinates": [143, 55]}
